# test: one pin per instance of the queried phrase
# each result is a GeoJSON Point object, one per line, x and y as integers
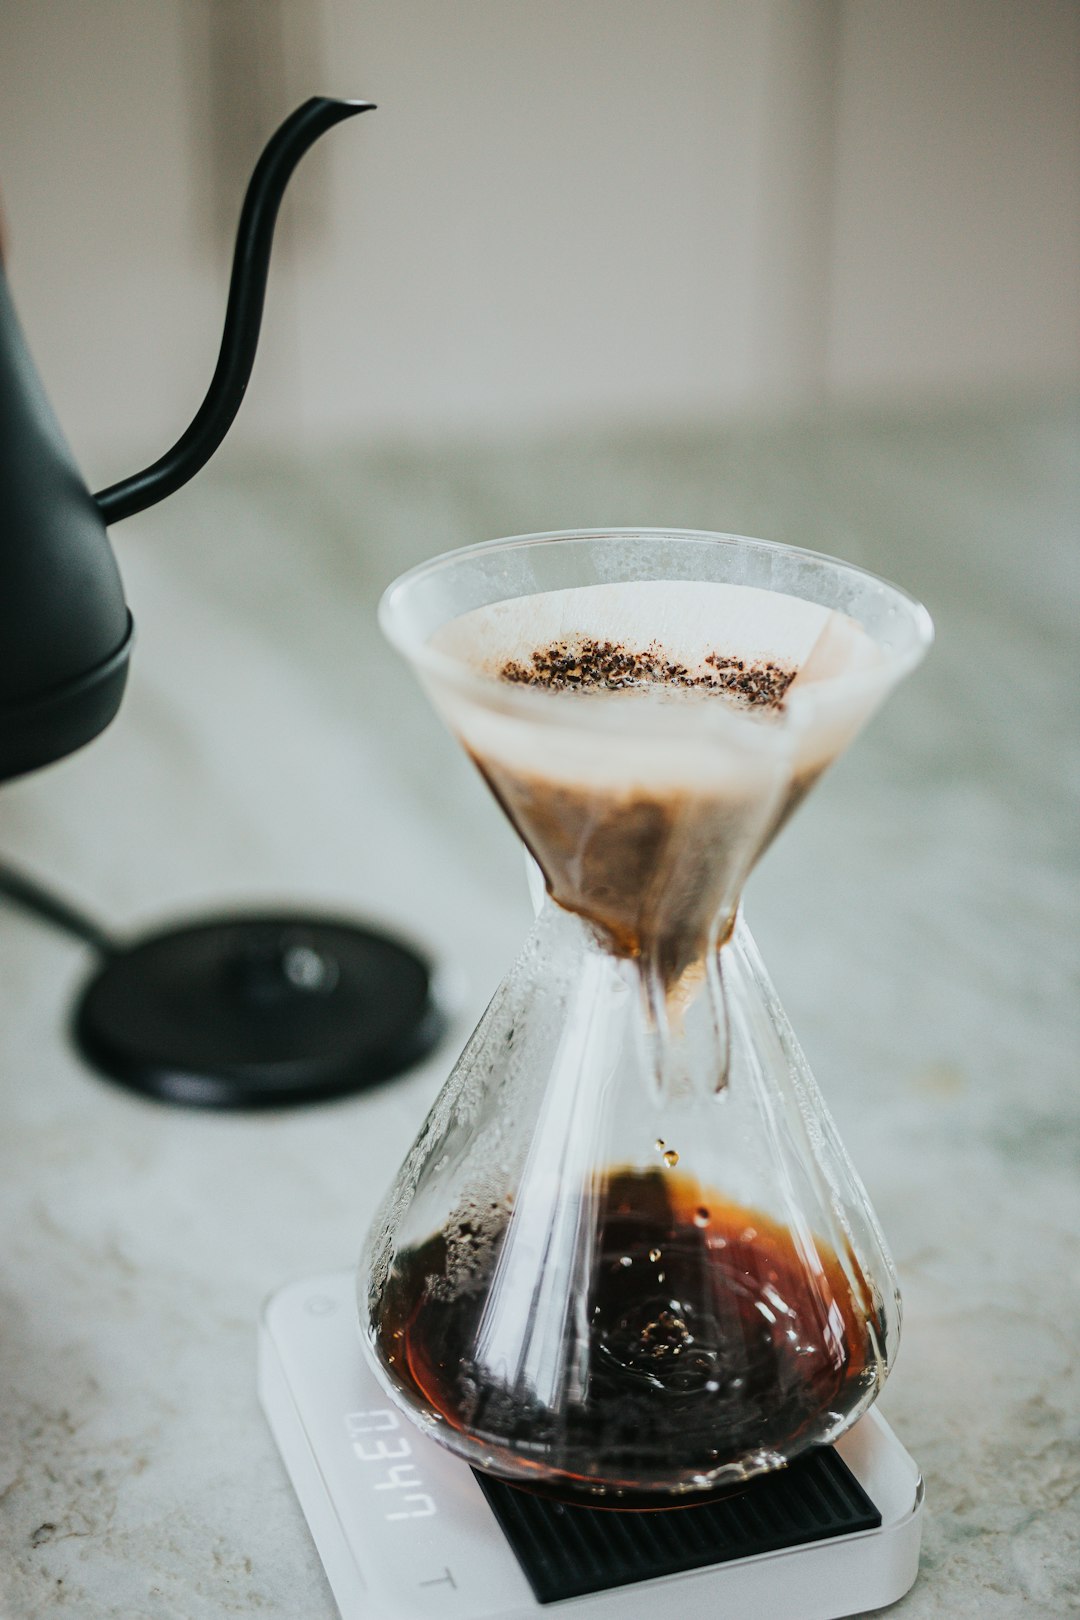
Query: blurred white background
{"type": "Point", "coordinates": [563, 214]}
{"type": "Point", "coordinates": [807, 269]}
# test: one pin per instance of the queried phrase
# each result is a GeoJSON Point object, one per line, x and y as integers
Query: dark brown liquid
{"type": "Point", "coordinates": [711, 1342]}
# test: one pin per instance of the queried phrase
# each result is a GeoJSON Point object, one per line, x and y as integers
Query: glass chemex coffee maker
{"type": "Point", "coordinates": [627, 1262]}
{"type": "Point", "coordinates": [626, 1272]}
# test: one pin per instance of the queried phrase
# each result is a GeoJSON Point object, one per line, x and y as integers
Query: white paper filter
{"type": "Point", "coordinates": [842, 677]}
{"type": "Point", "coordinates": [686, 618]}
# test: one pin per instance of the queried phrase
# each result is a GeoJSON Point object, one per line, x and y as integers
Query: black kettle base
{"type": "Point", "coordinates": [266, 1010]}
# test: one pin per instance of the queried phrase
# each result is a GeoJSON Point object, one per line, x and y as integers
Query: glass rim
{"type": "Point", "coordinates": [541, 705]}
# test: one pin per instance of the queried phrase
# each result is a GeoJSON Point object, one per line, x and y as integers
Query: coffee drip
{"type": "Point", "coordinates": [627, 1259]}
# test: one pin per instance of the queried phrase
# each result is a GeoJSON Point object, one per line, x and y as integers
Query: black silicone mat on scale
{"type": "Point", "coordinates": [568, 1551]}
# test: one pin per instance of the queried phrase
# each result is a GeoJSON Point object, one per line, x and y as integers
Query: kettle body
{"type": "Point", "coordinates": [65, 630]}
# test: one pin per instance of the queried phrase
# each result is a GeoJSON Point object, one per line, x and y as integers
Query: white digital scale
{"type": "Point", "coordinates": [405, 1531]}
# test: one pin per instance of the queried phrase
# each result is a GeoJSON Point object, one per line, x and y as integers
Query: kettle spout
{"type": "Point", "coordinates": [243, 315]}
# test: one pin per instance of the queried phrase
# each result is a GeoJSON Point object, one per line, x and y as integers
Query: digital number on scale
{"type": "Point", "coordinates": [377, 1441]}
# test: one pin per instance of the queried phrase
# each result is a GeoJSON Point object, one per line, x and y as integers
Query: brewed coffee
{"type": "Point", "coordinates": [713, 1344]}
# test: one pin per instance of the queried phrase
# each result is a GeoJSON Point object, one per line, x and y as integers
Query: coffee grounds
{"type": "Point", "coordinates": [608, 666]}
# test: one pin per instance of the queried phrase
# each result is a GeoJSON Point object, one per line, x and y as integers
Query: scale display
{"type": "Point", "coordinates": [405, 1531]}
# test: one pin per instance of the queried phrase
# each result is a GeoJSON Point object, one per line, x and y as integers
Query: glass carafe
{"type": "Point", "coordinates": [627, 1259]}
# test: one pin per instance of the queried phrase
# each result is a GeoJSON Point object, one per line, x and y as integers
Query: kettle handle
{"type": "Point", "coordinates": [243, 314]}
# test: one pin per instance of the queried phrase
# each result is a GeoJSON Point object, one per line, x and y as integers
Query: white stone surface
{"type": "Point", "coordinates": [919, 918]}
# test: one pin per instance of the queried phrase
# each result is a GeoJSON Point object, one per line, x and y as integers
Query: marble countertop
{"type": "Point", "coordinates": [918, 917]}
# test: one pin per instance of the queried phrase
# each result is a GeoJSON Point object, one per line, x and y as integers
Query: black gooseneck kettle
{"type": "Point", "coordinates": [65, 631]}
{"type": "Point", "coordinates": [232, 1012]}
